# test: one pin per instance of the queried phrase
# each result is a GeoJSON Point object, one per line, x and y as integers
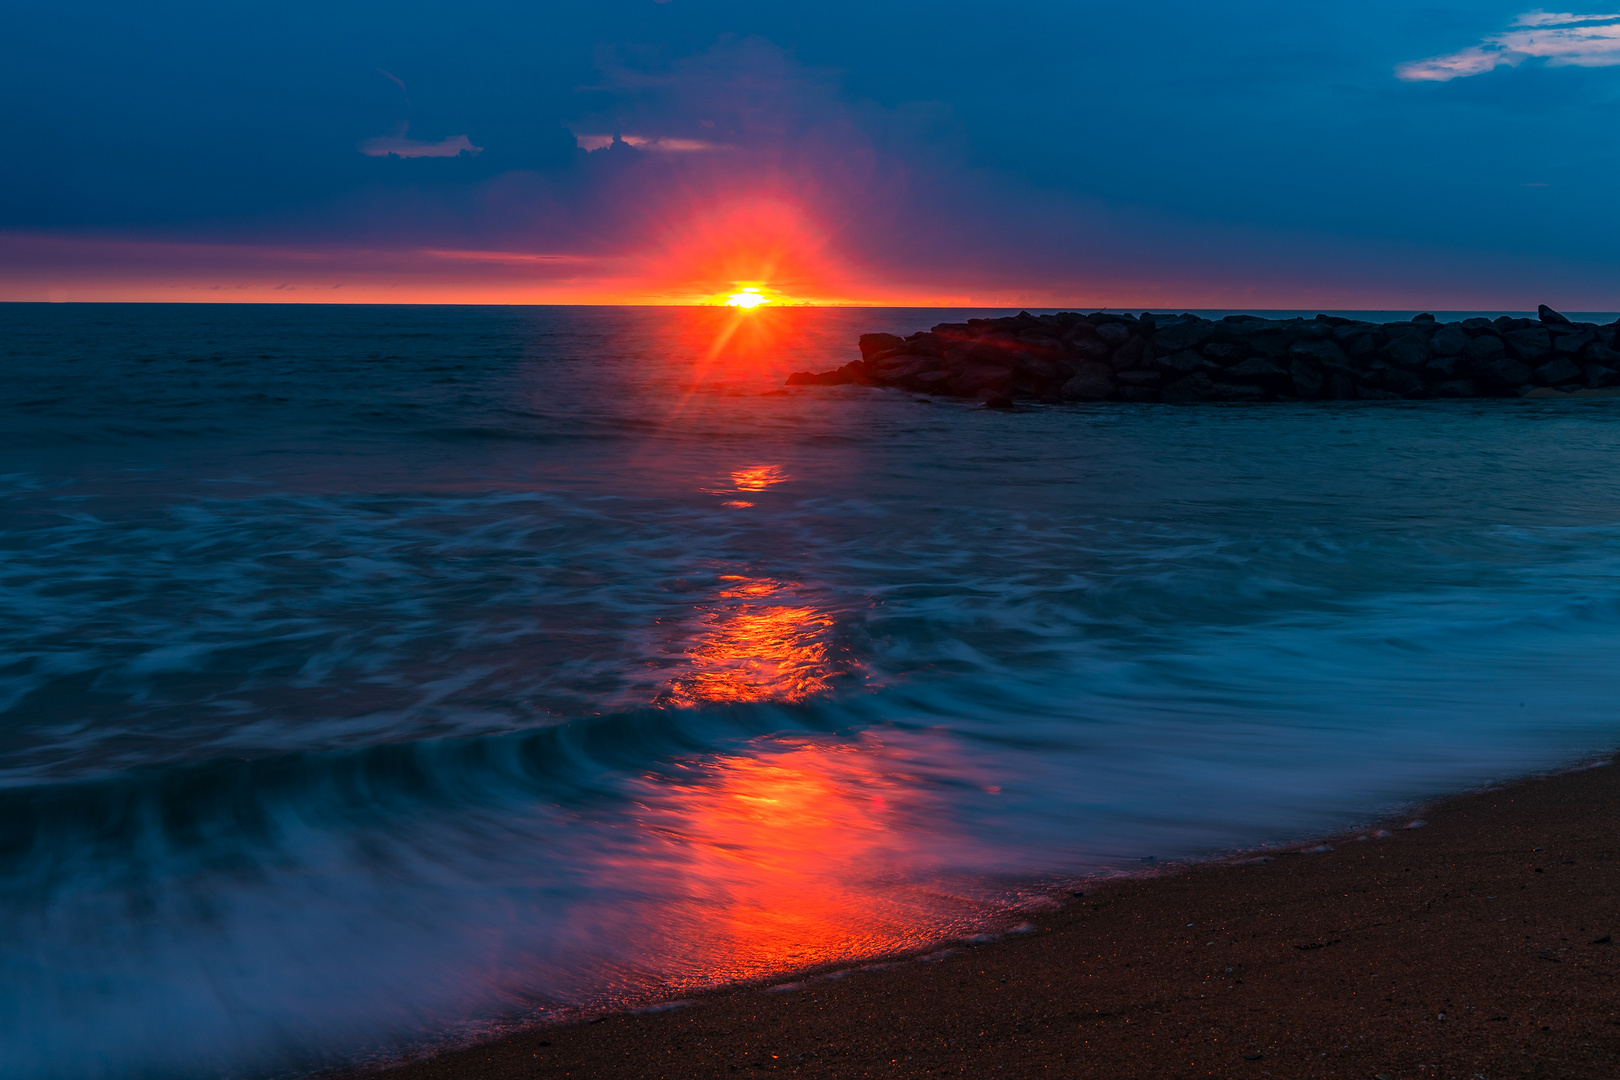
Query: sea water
{"type": "Point", "coordinates": [373, 678]}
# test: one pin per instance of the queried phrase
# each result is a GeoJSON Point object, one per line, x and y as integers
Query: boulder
{"type": "Point", "coordinates": [876, 344]}
{"type": "Point", "coordinates": [1548, 315]}
{"type": "Point", "coordinates": [1413, 352]}
{"type": "Point", "coordinates": [1259, 372]}
{"type": "Point", "coordinates": [1138, 378]}
{"type": "Point", "coordinates": [1531, 346]}
{"type": "Point", "coordinates": [1572, 341]}
{"type": "Point", "coordinates": [995, 350]}
{"type": "Point", "coordinates": [976, 379]}
{"type": "Point", "coordinates": [899, 366]}
{"type": "Point", "coordinates": [1341, 387]}
{"type": "Point", "coordinates": [1456, 388]}
{"type": "Point", "coordinates": [1442, 368]}
{"type": "Point", "coordinates": [1187, 334]}
{"type": "Point", "coordinates": [1403, 383]}
{"type": "Point", "coordinates": [1114, 333]}
{"type": "Point", "coordinates": [1558, 371]}
{"type": "Point", "coordinates": [1307, 379]}
{"type": "Point", "coordinates": [1450, 341]}
{"type": "Point", "coordinates": [1602, 354]}
{"type": "Point", "coordinates": [1184, 362]}
{"type": "Point", "coordinates": [1597, 375]}
{"type": "Point", "coordinates": [1320, 353]}
{"type": "Point", "coordinates": [1195, 387]}
{"type": "Point", "coordinates": [1483, 350]}
{"type": "Point", "coordinates": [1505, 374]}
{"type": "Point", "coordinates": [1128, 355]}
{"type": "Point", "coordinates": [1360, 347]}
{"type": "Point", "coordinates": [1088, 385]}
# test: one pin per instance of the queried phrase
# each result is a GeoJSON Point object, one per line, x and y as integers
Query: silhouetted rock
{"type": "Point", "coordinates": [1558, 372]}
{"type": "Point", "coordinates": [1108, 356]}
{"type": "Point", "coordinates": [1597, 375]}
{"type": "Point", "coordinates": [1531, 346]}
{"type": "Point", "coordinates": [1505, 374]}
{"type": "Point", "coordinates": [875, 344]}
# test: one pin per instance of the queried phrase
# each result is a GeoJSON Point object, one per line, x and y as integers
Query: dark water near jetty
{"type": "Point", "coordinates": [377, 676]}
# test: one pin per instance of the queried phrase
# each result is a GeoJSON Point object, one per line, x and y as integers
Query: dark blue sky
{"type": "Point", "coordinates": [1025, 144]}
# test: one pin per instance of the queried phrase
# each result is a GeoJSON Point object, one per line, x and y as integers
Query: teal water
{"type": "Point", "coordinates": [375, 678]}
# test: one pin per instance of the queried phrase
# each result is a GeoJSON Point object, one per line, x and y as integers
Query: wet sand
{"type": "Point", "coordinates": [1484, 944]}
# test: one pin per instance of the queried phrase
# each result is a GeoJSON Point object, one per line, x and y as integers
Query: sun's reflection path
{"type": "Point", "coordinates": [802, 853]}
{"type": "Point", "coordinates": [759, 642]}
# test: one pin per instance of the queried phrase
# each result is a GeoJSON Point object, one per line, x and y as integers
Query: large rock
{"type": "Point", "coordinates": [1548, 315]}
{"type": "Point", "coordinates": [1571, 343]}
{"type": "Point", "coordinates": [899, 368]}
{"type": "Point", "coordinates": [1412, 351]}
{"type": "Point", "coordinates": [1260, 372]}
{"type": "Point", "coordinates": [1128, 355]}
{"type": "Point", "coordinates": [1531, 346]}
{"type": "Point", "coordinates": [1602, 354]}
{"type": "Point", "coordinates": [1506, 374]}
{"type": "Point", "coordinates": [1195, 387]}
{"type": "Point", "coordinates": [1181, 363]}
{"type": "Point", "coordinates": [1483, 350]}
{"type": "Point", "coordinates": [1307, 379]}
{"type": "Point", "coordinates": [1597, 375]}
{"type": "Point", "coordinates": [976, 379]}
{"type": "Point", "coordinates": [1090, 384]}
{"type": "Point", "coordinates": [1403, 383]}
{"type": "Point", "coordinates": [1188, 334]}
{"type": "Point", "coordinates": [1557, 372]}
{"type": "Point", "coordinates": [876, 344]}
{"type": "Point", "coordinates": [1320, 353]}
{"type": "Point", "coordinates": [1114, 333]}
{"type": "Point", "coordinates": [1448, 341]}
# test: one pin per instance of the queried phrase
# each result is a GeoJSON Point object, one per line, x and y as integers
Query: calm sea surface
{"type": "Point", "coordinates": [373, 677]}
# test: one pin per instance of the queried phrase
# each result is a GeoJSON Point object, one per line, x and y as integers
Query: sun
{"type": "Point", "coordinates": [748, 297]}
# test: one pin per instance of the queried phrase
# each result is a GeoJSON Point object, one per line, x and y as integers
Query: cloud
{"type": "Point", "coordinates": [402, 147]}
{"type": "Point", "coordinates": [645, 142]}
{"type": "Point", "coordinates": [1561, 39]}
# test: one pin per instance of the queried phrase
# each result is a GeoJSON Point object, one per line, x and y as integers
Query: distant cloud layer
{"type": "Point", "coordinates": [644, 142]}
{"type": "Point", "coordinates": [1558, 38]}
{"type": "Point", "coordinates": [400, 146]}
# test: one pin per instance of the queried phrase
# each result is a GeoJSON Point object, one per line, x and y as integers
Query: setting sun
{"type": "Point", "coordinates": [749, 297]}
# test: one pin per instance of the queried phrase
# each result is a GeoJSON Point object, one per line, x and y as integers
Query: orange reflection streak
{"type": "Point", "coordinates": [758, 477]}
{"type": "Point", "coordinates": [756, 651]}
{"type": "Point", "coordinates": [789, 860]}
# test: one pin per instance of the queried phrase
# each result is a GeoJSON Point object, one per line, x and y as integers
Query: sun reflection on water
{"type": "Point", "coordinates": [799, 855]}
{"type": "Point", "coordinates": [759, 644]}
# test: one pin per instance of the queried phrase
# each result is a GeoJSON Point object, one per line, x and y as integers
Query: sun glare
{"type": "Point", "coordinates": [749, 297]}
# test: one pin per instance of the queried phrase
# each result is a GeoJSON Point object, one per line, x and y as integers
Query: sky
{"type": "Point", "coordinates": [1371, 155]}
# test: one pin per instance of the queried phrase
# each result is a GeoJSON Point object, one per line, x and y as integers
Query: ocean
{"type": "Point", "coordinates": [374, 679]}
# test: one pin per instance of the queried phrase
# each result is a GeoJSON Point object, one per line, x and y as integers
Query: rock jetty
{"type": "Point", "coordinates": [1183, 358]}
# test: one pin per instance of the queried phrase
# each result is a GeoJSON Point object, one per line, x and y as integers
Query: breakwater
{"type": "Point", "coordinates": [1105, 356]}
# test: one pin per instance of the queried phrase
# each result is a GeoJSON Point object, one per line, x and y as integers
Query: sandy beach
{"type": "Point", "coordinates": [1481, 943]}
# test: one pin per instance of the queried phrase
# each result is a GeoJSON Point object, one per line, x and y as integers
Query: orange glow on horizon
{"type": "Point", "coordinates": [747, 299]}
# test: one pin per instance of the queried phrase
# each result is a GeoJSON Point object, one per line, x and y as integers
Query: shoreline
{"type": "Point", "coordinates": [1481, 943]}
